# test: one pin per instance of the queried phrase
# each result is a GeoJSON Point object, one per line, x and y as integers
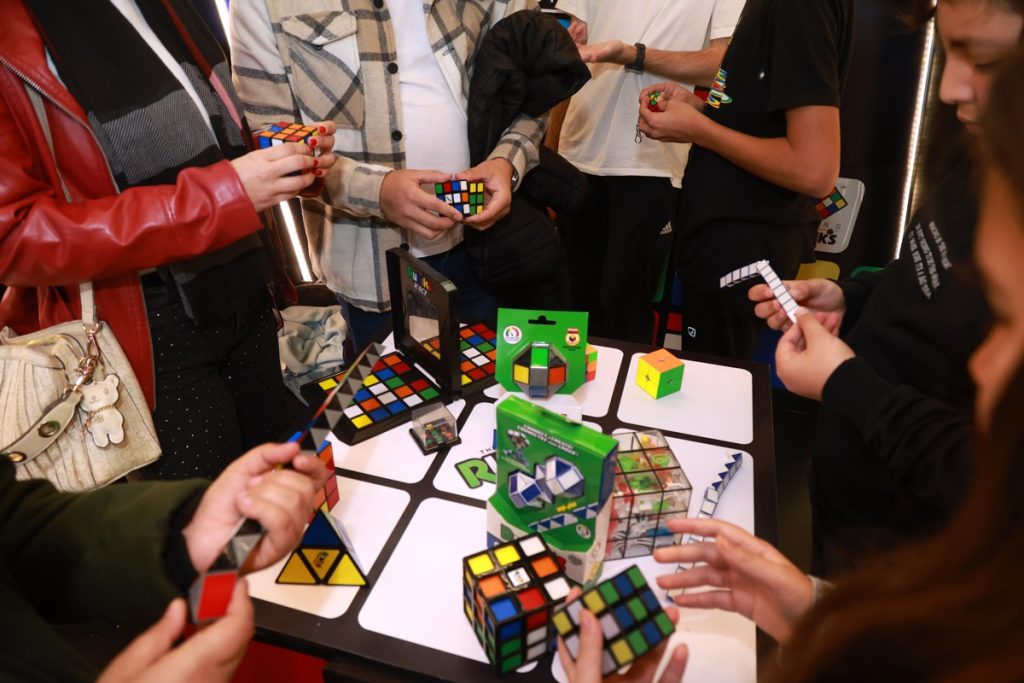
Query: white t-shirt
{"type": "Point", "coordinates": [433, 124]}
{"type": "Point", "coordinates": [598, 135]}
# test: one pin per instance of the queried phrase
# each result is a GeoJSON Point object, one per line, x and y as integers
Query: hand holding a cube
{"type": "Point", "coordinates": [496, 176]}
{"type": "Point", "coordinates": [752, 578]}
{"type": "Point", "coordinates": [404, 202]}
{"type": "Point", "coordinates": [277, 172]}
{"type": "Point", "coordinates": [678, 117]}
{"type": "Point", "coordinates": [587, 667]}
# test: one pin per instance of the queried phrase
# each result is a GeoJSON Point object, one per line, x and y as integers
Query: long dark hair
{"type": "Point", "coordinates": [949, 609]}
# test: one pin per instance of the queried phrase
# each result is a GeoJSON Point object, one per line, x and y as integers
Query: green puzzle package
{"type": "Point", "coordinates": [555, 477]}
{"type": "Point", "coordinates": [541, 353]}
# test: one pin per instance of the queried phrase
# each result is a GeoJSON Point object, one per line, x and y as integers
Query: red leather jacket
{"type": "Point", "coordinates": [48, 246]}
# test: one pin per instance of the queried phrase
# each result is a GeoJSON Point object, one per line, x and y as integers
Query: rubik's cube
{"type": "Point", "coordinates": [324, 556]}
{"type": "Point", "coordinates": [466, 196]}
{"type": "Point", "coordinates": [283, 132]}
{"type": "Point", "coordinates": [591, 363]}
{"type": "Point", "coordinates": [830, 205]}
{"type": "Point", "coordinates": [652, 101]}
{"type": "Point", "coordinates": [660, 373]}
{"type": "Point", "coordinates": [650, 489]}
{"type": "Point", "coordinates": [631, 619]}
{"type": "Point", "coordinates": [539, 371]}
{"type": "Point", "coordinates": [510, 593]}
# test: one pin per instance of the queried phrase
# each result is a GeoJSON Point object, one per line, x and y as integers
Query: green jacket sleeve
{"type": "Point", "coordinates": [93, 555]}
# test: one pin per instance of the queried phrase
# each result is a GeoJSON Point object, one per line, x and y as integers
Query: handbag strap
{"type": "Point", "coordinates": [84, 288]}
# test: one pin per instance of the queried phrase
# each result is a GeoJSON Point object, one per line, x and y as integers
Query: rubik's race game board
{"type": "Point", "coordinates": [427, 330]}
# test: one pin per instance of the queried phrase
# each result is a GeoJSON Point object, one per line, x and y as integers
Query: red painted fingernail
{"type": "Point", "coordinates": [316, 162]}
{"type": "Point", "coordinates": [319, 173]}
{"type": "Point", "coordinates": [323, 129]}
{"type": "Point", "coordinates": [313, 142]}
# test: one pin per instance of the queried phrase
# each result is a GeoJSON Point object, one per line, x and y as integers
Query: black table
{"type": "Point", "coordinates": [359, 654]}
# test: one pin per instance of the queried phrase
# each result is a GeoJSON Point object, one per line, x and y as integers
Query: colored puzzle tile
{"type": "Point", "coordinates": [631, 619]}
{"type": "Point", "coordinates": [510, 592]}
{"type": "Point", "coordinates": [660, 373]}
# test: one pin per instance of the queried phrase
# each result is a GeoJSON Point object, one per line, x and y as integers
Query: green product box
{"type": "Point", "coordinates": [541, 353]}
{"type": "Point", "coordinates": [555, 477]}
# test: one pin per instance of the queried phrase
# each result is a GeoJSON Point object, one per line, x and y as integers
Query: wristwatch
{"type": "Point", "coordinates": [638, 63]}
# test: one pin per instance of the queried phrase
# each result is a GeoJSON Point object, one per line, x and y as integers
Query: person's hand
{"type": "Point", "coordinates": [680, 117]}
{"type": "Point", "coordinates": [587, 667]}
{"type": "Point", "coordinates": [750, 576]}
{"type": "Point", "coordinates": [817, 295]}
{"type": "Point", "coordinates": [809, 353]}
{"type": "Point", "coordinates": [211, 655]}
{"type": "Point", "coordinates": [496, 175]}
{"type": "Point", "coordinates": [322, 145]}
{"type": "Point", "coordinates": [578, 31]}
{"type": "Point", "coordinates": [265, 172]}
{"type": "Point", "coordinates": [404, 203]}
{"type": "Point", "coordinates": [611, 52]}
{"type": "Point", "coordinates": [253, 487]}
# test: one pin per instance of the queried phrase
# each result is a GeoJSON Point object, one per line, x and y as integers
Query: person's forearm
{"type": "Point", "coordinates": [810, 167]}
{"type": "Point", "coordinates": [697, 67]}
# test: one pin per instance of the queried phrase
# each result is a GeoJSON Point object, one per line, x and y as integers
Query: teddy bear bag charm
{"type": "Point", "coordinates": [104, 421]}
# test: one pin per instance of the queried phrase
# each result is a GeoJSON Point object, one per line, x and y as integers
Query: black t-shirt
{"type": "Point", "coordinates": [894, 432]}
{"type": "Point", "coordinates": [784, 54]}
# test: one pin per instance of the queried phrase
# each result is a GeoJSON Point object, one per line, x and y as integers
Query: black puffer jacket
{"type": "Point", "coordinates": [527, 64]}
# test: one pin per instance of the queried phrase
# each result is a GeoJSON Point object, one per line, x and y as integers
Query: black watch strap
{"type": "Point", "coordinates": [641, 57]}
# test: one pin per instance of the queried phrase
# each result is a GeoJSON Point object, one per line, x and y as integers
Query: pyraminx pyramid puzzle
{"type": "Point", "coordinates": [324, 556]}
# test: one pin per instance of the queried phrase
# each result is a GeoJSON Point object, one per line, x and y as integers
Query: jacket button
{"type": "Point", "coordinates": [396, 135]}
{"type": "Point", "coordinates": [392, 68]}
{"type": "Point", "coordinates": [378, 3]}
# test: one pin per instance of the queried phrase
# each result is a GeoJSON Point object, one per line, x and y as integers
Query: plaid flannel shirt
{"type": "Point", "coordinates": [322, 60]}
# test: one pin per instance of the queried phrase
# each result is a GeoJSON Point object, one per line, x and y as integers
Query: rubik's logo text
{"type": "Point", "coordinates": [717, 96]}
{"type": "Point", "coordinates": [418, 280]}
{"type": "Point", "coordinates": [831, 205]}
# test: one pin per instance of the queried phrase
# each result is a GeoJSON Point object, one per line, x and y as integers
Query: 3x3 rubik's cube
{"type": "Point", "coordinates": [466, 196]}
{"type": "Point", "coordinates": [510, 593]}
{"type": "Point", "coordinates": [632, 620]}
{"type": "Point", "coordinates": [283, 132]}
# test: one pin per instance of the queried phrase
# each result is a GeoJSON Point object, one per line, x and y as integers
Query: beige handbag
{"type": "Point", "coordinates": [71, 409]}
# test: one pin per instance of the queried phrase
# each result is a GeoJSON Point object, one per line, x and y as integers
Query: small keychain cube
{"type": "Point", "coordinates": [433, 428]}
{"type": "Point", "coordinates": [465, 195]}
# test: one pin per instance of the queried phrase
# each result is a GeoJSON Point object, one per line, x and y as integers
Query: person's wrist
{"type": "Point", "coordinates": [627, 55]}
